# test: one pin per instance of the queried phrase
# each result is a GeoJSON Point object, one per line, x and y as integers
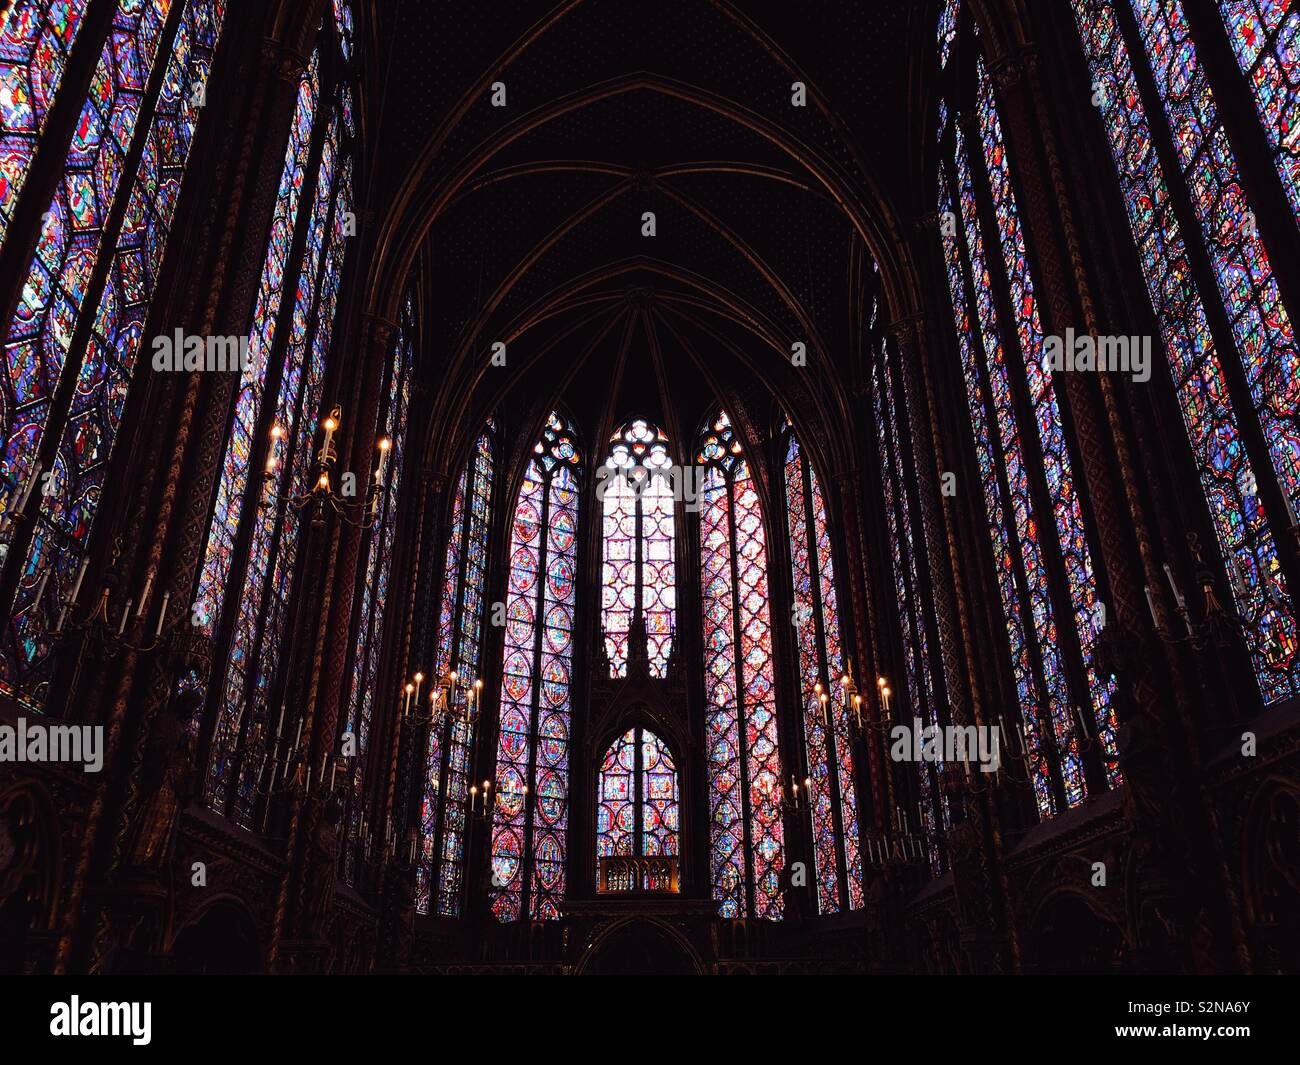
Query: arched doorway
{"type": "Point", "coordinates": [1071, 937]}
{"type": "Point", "coordinates": [640, 948]}
{"type": "Point", "coordinates": [223, 941]}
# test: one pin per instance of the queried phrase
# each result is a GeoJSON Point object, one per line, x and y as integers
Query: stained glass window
{"type": "Point", "coordinates": [1067, 509]}
{"type": "Point", "coordinates": [275, 525]}
{"type": "Point", "coordinates": [1265, 355]}
{"type": "Point", "coordinates": [40, 333]}
{"type": "Point", "coordinates": [638, 582]}
{"type": "Point", "coordinates": [636, 798]}
{"type": "Point", "coordinates": [947, 29]}
{"type": "Point", "coordinates": [833, 798]}
{"type": "Point", "coordinates": [532, 787]}
{"type": "Point", "coordinates": [57, 291]}
{"type": "Point", "coordinates": [219, 554]}
{"type": "Point", "coordinates": [377, 574]}
{"type": "Point", "coordinates": [746, 835]}
{"type": "Point", "coordinates": [890, 413]}
{"type": "Point", "coordinates": [36, 38]}
{"type": "Point", "coordinates": [277, 409]}
{"type": "Point", "coordinates": [1035, 659]}
{"type": "Point", "coordinates": [1265, 35]}
{"type": "Point", "coordinates": [343, 21]}
{"type": "Point", "coordinates": [460, 633]}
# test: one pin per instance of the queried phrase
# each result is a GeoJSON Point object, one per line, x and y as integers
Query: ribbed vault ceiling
{"type": "Point", "coordinates": [528, 218]}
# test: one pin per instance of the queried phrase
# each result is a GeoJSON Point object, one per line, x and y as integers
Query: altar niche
{"type": "Point", "coordinates": [637, 816]}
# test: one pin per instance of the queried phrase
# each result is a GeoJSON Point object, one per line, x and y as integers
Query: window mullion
{"type": "Point", "coordinates": [1025, 417]}
{"type": "Point", "coordinates": [1046, 732]}
{"type": "Point", "coordinates": [229, 607]}
{"type": "Point", "coordinates": [539, 634]}
{"type": "Point", "coordinates": [1276, 219]}
{"type": "Point", "coordinates": [738, 660]}
{"type": "Point", "coordinates": [1217, 315]}
{"type": "Point", "coordinates": [51, 434]}
{"type": "Point", "coordinates": [48, 161]}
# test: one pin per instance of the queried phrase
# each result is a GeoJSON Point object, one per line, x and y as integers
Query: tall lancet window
{"type": "Point", "coordinates": [947, 29]}
{"type": "Point", "coordinates": [833, 796]}
{"type": "Point", "coordinates": [1228, 333]}
{"type": "Point", "coordinates": [639, 580]}
{"type": "Point", "coordinates": [460, 640]}
{"type": "Point", "coordinates": [36, 38]}
{"type": "Point", "coordinates": [636, 798]}
{"type": "Point", "coordinates": [249, 561]}
{"type": "Point", "coordinates": [897, 472]}
{"type": "Point", "coordinates": [72, 345]}
{"type": "Point", "coordinates": [1035, 513]}
{"type": "Point", "coordinates": [371, 612]}
{"type": "Point", "coordinates": [531, 817]}
{"type": "Point", "coordinates": [1265, 36]}
{"type": "Point", "coordinates": [747, 838]}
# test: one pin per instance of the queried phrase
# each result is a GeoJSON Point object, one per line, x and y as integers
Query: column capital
{"type": "Point", "coordinates": [376, 327]}
{"type": "Point", "coordinates": [285, 63]}
{"type": "Point", "coordinates": [905, 327]}
{"type": "Point", "coordinates": [1010, 67]}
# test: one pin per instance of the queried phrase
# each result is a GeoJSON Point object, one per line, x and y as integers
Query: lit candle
{"type": "Point", "coordinates": [273, 456]}
{"type": "Point", "coordinates": [885, 692]}
{"type": "Point", "coordinates": [473, 799]}
{"type": "Point", "coordinates": [419, 679]}
{"type": "Point", "coordinates": [384, 446]}
{"type": "Point", "coordinates": [330, 425]}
